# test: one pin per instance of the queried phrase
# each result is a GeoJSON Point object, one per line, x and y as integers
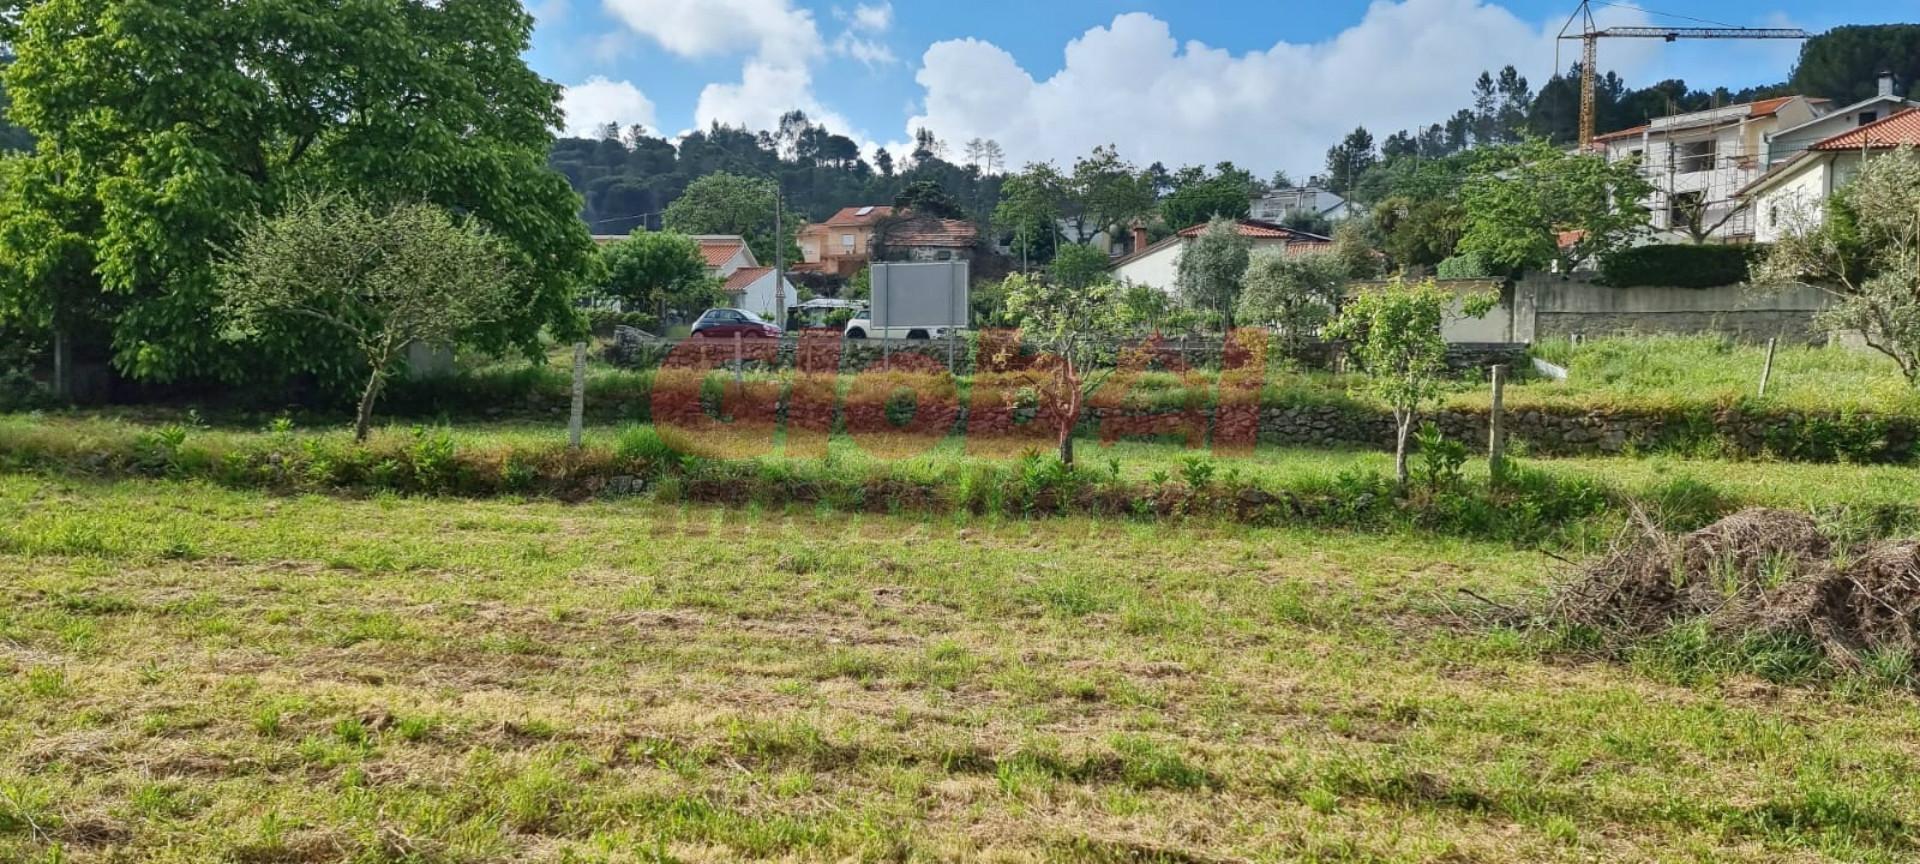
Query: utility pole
{"type": "Point", "coordinates": [779, 261]}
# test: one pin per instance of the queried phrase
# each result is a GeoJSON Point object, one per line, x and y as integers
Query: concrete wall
{"type": "Point", "coordinates": [1566, 307]}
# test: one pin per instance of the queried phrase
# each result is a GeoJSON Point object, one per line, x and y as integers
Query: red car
{"type": "Point", "coordinates": [725, 323]}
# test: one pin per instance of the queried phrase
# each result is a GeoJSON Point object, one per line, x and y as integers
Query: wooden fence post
{"type": "Point", "coordinates": [1497, 424]}
{"type": "Point", "coordinates": [576, 420]}
{"type": "Point", "coordinates": [1766, 372]}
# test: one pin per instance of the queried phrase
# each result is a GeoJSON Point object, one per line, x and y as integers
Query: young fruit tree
{"type": "Point", "coordinates": [1078, 331]}
{"type": "Point", "coordinates": [385, 278]}
{"type": "Point", "coordinates": [1394, 333]}
{"type": "Point", "coordinates": [1295, 293]}
{"type": "Point", "coordinates": [1211, 268]}
{"type": "Point", "coordinates": [1866, 253]}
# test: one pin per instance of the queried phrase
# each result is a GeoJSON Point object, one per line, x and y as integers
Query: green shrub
{"type": "Point", "coordinates": [1466, 265]}
{"type": "Point", "coordinates": [1679, 265]}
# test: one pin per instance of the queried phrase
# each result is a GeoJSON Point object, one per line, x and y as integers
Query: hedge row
{"type": "Point", "coordinates": [1680, 265]}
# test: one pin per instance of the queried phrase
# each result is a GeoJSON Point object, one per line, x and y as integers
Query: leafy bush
{"type": "Point", "coordinates": [1680, 265]}
{"type": "Point", "coordinates": [1466, 265]}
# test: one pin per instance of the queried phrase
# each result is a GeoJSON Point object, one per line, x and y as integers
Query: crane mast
{"type": "Point", "coordinates": [1591, 34]}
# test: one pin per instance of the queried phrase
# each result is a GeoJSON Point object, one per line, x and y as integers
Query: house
{"type": "Point", "coordinates": [1699, 161]}
{"type": "Point", "coordinates": [842, 244]}
{"type": "Point", "coordinates": [924, 238]}
{"type": "Point", "coordinates": [725, 253]}
{"type": "Point", "coordinates": [1277, 205]}
{"type": "Point", "coordinates": [1791, 141]}
{"type": "Point", "coordinates": [1158, 264]}
{"type": "Point", "coordinates": [1794, 193]}
{"type": "Point", "coordinates": [753, 289]}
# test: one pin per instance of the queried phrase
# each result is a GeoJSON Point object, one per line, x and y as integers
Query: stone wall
{"type": "Point", "coordinates": [1568, 306]}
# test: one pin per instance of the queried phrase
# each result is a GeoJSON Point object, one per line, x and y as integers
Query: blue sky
{"type": "Point", "coordinates": [1267, 83]}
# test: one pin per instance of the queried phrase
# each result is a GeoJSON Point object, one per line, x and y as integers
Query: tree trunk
{"type": "Point", "coordinates": [363, 421]}
{"type": "Point", "coordinates": [1404, 425]}
{"type": "Point", "coordinates": [1066, 448]}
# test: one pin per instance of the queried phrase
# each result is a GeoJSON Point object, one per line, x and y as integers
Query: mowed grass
{"type": "Point", "coordinates": [189, 674]}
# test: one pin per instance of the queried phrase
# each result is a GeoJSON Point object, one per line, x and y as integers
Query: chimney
{"type": "Point", "coordinates": [1886, 83]}
{"type": "Point", "coordinates": [1139, 237]}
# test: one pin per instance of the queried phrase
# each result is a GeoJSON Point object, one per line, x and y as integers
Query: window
{"type": "Point", "coordinates": [846, 241]}
{"type": "Point", "coordinates": [1868, 117]}
{"type": "Point", "coordinates": [1694, 156]}
{"type": "Point", "coordinates": [1773, 216]}
{"type": "Point", "coordinates": [943, 255]}
{"type": "Point", "coordinates": [1682, 207]}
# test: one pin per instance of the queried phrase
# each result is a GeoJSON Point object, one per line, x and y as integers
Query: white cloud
{"type": "Point", "coordinates": [599, 101]}
{"type": "Point", "coordinates": [765, 91]}
{"type": "Point", "coordinates": [772, 30]}
{"type": "Point", "coordinates": [870, 52]}
{"type": "Point", "coordinates": [875, 18]}
{"type": "Point", "coordinates": [1405, 64]}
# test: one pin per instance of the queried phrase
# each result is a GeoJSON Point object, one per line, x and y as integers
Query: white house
{"type": "Point", "coordinates": [1699, 161]}
{"type": "Point", "coordinates": [752, 289]}
{"type": "Point", "coordinates": [1158, 265]}
{"type": "Point", "coordinates": [1792, 195]}
{"type": "Point", "coordinates": [725, 253]}
{"type": "Point", "coordinates": [1278, 204]}
{"type": "Point", "coordinates": [1790, 141]}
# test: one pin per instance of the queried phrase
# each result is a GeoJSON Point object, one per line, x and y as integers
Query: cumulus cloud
{"type": "Point", "coordinates": [771, 30]}
{"type": "Point", "coordinates": [599, 101]}
{"type": "Point", "coordinates": [874, 18]}
{"type": "Point", "coordinates": [1131, 83]}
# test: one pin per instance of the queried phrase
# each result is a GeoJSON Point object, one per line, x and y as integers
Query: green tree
{"type": "Point", "coordinates": [170, 125]}
{"type": "Point", "coordinates": [927, 198]}
{"type": "Point", "coordinates": [724, 203]}
{"type": "Point", "coordinates": [1191, 203]}
{"type": "Point", "coordinates": [1520, 201]}
{"type": "Point", "coordinates": [1866, 254]}
{"type": "Point", "coordinates": [1076, 266]}
{"type": "Point", "coordinates": [656, 271]}
{"type": "Point", "coordinates": [1029, 208]}
{"type": "Point", "coordinates": [1211, 267]}
{"type": "Point", "coordinates": [1844, 63]}
{"type": "Point", "coordinates": [383, 279]}
{"type": "Point", "coordinates": [1393, 331]}
{"type": "Point", "coordinates": [1294, 293]}
{"type": "Point", "coordinates": [1350, 160]}
{"type": "Point", "coordinates": [1107, 194]}
{"type": "Point", "coordinates": [1078, 331]}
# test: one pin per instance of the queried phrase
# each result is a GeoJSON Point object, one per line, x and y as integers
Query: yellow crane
{"type": "Point", "coordinates": [1591, 34]}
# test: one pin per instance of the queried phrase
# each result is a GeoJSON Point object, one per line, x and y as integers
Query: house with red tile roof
{"type": "Point", "coordinates": [914, 237]}
{"type": "Point", "coordinates": [1698, 161]}
{"type": "Point", "coordinates": [1158, 264]}
{"type": "Point", "coordinates": [1793, 195]}
{"type": "Point", "coordinates": [841, 244]}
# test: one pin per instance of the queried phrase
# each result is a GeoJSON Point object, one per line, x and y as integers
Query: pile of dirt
{"type": "Point", "coordinates": [1756, 572]}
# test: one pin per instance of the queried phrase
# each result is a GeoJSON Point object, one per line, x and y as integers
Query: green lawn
{"type": "Point", "coordinates": [189, 674]}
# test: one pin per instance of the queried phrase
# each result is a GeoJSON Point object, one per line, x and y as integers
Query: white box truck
{"type": "Point", "coordinates": [915, 301]}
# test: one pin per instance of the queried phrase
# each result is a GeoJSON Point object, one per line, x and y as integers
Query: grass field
{"type": "Point", "coordinates": [190, 674]}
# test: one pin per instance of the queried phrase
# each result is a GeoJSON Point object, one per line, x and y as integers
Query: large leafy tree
{"type": "Point", "coordinates": [1866, 253]}
{"type": "Point", "coordinates": [1844, 64]}
{"type": "Point", "coordinates": [654, 271]}
{"type": "Point", "coordinates": [1295, 293]}
{"type": "Point", "coordinates": [1211, 267]}
{"type": "Point", "coordinates": [1029, 210]}
{"type": "Point", "coordinates": [1199, 199]}
{"type": "Point", "coordinates": [1350, 160]}
{"type": "Point", "coordinates": [1528, 205]}
{"type": "Point", "coordinates": [726, 203]}
{"type": "Point", "coordinates": [164, 126]}
{"type": "Point", "coordinates": [926, 198]}
{"type": "Point", "coordinates": [1108, 193]}
{"type": "Point", "coordinates": [383, 279]}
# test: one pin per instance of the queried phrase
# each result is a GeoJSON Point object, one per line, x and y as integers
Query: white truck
{"type": "Point", "coordinates": [915, 301]}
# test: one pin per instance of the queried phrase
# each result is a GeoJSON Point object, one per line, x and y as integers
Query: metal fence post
{"type": "Point", "coordinates": [576, 420]}
{"type": "Point", "coordinates": [738, 361]}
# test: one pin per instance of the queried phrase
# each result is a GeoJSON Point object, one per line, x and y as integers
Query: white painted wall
{"type": "Point", "coordinates": [1161, 268]}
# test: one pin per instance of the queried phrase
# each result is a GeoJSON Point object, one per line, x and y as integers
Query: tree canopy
{"type": "Point", "coordinates": [732, 204]}
{"type": "Point", "coordinates": [1528, 205]}
{"type": "Point", "coordinates": [652, 271]}
{"type": "Point", "coordinates": [163, 128]}
{"type": "Point", "coordinates": [1211, 267]}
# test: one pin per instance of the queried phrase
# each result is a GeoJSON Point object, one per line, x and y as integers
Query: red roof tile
{"type": "Point", "coordinates": [744, 278]}
{"type": "Point", "coordinates": [1892, 131]}
{"type": "Point", "coordinates": [717, 252]}
{"type": "Point", "coordinates": [853, 217]}
{"type": "Point", "coordinates": [1624, 133]}
{"type": "Point", "coordinates": [951, 233]}
{"type": "Point", "coordinates": [1767, 107]}
{"type": "Point", "coordinates": [1255, 228]}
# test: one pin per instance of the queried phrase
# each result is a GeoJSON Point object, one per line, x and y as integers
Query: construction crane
{"type": "Point", "coordinates": [1590, 36]}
